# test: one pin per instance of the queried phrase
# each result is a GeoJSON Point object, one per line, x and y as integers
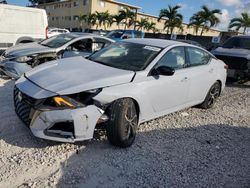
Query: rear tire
{"type": "Point", "coordinates": [122, 124]}
{"type": "Point", "coordinates": [212, 95]}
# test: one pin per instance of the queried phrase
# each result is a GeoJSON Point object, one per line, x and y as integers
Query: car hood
{"type": "Point", "coordinates": [238, 52]}
{"type": "Point", "coordinates": [77, 74]}
{"type": "Point", "coordinates": [27, 49]}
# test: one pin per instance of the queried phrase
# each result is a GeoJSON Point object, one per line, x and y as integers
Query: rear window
{"type": "Point", "coordinates": [237, 42]}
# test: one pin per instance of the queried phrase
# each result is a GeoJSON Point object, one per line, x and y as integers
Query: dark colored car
{"type": "Point", "coordinates": [235, 52]}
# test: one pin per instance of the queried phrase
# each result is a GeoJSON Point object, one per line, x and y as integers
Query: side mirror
{"type": "Point", "coordinates": [163, 70]}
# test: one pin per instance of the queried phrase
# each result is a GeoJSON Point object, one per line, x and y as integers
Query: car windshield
{"type": "Point", "coordinates": [115, 34]}
{"type": "Point", "coordinates": [237, 42]}
{"type": "Point", "coordinates": [126, 56]}
{"type": "Point", "coordinates": [57, 41]}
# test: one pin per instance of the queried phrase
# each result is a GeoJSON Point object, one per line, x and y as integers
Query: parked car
{"type": "Point", "coordinates": [191, 42]}
{"type": "Point", "coordinates": [119, 87]}
{"type": "Point", "coordinates": [22, 58]}
{"type": "Point", "coordinates": [235, 52]}
{"type": "Point", "coordinates": [56, 31]}
{"type": "Point", "coordinates": [96, 31]}
{"type": "Point", "coordinates": [118, 34]}
{"type": "Point", "coordinates": [21, 25]}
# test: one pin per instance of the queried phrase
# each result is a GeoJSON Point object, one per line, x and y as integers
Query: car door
{"type": "Point", "coordinates": [169, 93]}
{"type": "Point", "coordinates": [79, 48]}
{"type": "Point", "coordinates": [202, 75]}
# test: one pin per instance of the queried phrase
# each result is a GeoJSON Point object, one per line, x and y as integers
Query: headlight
{"type": "Point", "coordinates": [23, 59]}
{"type": "Point", "coordinates": [77, 100]}
{"type": "Point", "coordinates": [63, 101]}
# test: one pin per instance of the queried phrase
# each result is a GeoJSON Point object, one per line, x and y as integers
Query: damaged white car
{"type": "Point", "coordinates": [21, 58]}
{"type": "Point", "coordinates": [117, 88]}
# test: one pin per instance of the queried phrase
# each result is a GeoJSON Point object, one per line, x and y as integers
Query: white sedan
{"type": "Point", "coordinates": [117, 88]}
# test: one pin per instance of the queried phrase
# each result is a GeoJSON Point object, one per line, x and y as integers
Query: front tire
{"type": "Point", "coordinates": [212, 96]}
{"type": "Point", "coordinates": [123, 121]}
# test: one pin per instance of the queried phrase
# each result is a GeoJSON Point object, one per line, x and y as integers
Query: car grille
{"type": "Point", "coordinates": [237, 63]}
{"type": "Point", "coordinates": [23, 105]}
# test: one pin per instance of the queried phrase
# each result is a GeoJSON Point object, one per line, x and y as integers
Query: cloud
{"type": "Point", "coordinates": [230, 2]}
{"type": "Point", "coordinates": [224, 20]}
{"type": "Point", "coordinates": [243, 7]}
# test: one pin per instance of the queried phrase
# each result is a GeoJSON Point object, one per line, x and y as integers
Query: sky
{"type": "Point", "coordinates": [229, 8]}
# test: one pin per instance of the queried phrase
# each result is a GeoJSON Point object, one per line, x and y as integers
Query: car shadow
{"type": "Point", "coordinates": [204, 156]}
{"type": "Point", "coordinates": [238, 85]}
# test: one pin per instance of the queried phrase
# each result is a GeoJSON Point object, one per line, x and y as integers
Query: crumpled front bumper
{"type": "Point", "coordinates": [83, 120]}
{"type": "Point", "coordinates": [13, 69]}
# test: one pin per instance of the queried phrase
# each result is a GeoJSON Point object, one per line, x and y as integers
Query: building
{"type": "Point", "coordinates": [65, 14]}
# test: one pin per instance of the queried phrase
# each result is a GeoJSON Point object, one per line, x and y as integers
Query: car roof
{"type": "Point", "coordinates": [161, 43]}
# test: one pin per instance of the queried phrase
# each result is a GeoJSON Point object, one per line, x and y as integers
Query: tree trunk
{"type": "Point", "coordinates": [126, 24]}
{"type": "Point", "coordinates": [202, 30]}
{"type": "Point", "coordinates": [171, 30]}
{"type": "Point", "coordinates": [244, 32]}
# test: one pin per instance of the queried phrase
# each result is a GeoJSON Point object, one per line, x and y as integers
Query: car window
{"type": "Point", "coordinates": [61, 31]}
{"type": "Point", "coordinates": [126, 55]}
{"type": "Point", "coordinates": [115, 34]}
{"type": "Point", "coordinates": [127, 34]}
{"type": "Point", "coordinates": [84, 45]}
{"type": "Point", "coordinates": [197, 56]}
{"type": "Point", "coordinates": [174, 58]}
{"type": "Point", "coordinates": [137, 34]}
{"type": "Point", "coordinates": [237, 42]}
{"type": "Point", "coordinates": [57, 41]}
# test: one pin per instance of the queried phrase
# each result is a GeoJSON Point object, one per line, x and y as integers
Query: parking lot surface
{"type": "Point", "coordinates": [190, 148]}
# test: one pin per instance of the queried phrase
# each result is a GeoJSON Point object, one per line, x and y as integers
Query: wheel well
{"type": "Point", "coordinates": [220, 85]}
{"type": "Point", "coordinates": [135, 102]}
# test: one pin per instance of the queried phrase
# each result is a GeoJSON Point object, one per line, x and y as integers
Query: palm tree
{"type": "Point", "coordinates": [172, 17]}
{"type": "Point", "coordinates": [195, 22]}
{"type": "Point", "coordinates": [118, 18]}
{"type": "Point", "coordinates": [243, 22]}
{"type": "Point", "coordinates": [128, 16]}
{"type": "Point", "coordinates": [150, 26]}
{"type": "Point", "coordinates": [208, 18]}
{"type": "Point", "coordinates": [102, 18]}
{"type": "Point", "coordinates": [142, 24]}
{"type": "Point", "coordinates": [89, 18]}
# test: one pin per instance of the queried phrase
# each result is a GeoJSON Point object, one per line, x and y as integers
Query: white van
{"type": "Point", "coordinates": [21, 25]}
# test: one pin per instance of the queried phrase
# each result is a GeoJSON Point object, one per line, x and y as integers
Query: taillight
{"type": "Point", "coordinates": [46, 32]}
{"type": "Point", "coordinates": [226, 66]}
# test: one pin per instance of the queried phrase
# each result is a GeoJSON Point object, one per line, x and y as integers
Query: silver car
{"type": "Point", "coordinates": [117, 88]}
{"type": "Point", "coordinates": [21, 58]}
